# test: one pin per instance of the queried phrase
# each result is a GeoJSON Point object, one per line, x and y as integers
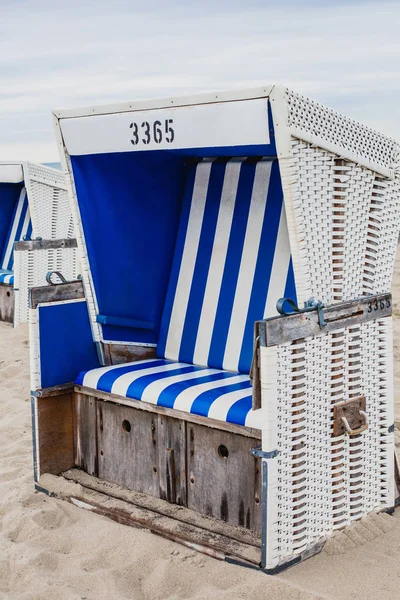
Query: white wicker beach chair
{"type": "Point", "coordinates": [36, 234]}
{"type": "Point", "coordinates": [169, 375]}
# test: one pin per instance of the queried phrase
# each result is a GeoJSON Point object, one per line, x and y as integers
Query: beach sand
{"type": "Point", "coordinates": [51, 549]}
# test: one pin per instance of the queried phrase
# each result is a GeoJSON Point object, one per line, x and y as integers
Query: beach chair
{"type": "Point", "coordinates": [167, 391]}
{"type": "Point", "coordinates": [36, 234]}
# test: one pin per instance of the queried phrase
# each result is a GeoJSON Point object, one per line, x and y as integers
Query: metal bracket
{"type": "Point", "coordinates": [258, 453]}
{"type": "Point", "coordinates": [309, 306]}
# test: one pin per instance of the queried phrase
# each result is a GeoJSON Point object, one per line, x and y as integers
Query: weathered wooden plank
{"type": "Point", "coordinates": [127, 447]}
{"type": "Point", "coordinates": [171, 412]}
{"type": "Point", "coordinates": [56, 293]}
{"type": "Point", "coordinates": [6, 303]}
{"type": "Point", "coordinates": [179, 513]}
{"type": "Point", "coordinates": [171, 435]}
{"type": "Point", "coordinates": [85, 433]}
{"type": "Point", "coordinates": [224, 479]}
{"type": "Point", "coordinates": [115, 354]}
{"type": "Point", "coordinates": [45, 244]}
{"type": "Point", "coordinates": [287, 328]}
{"type": "Point", "coordinates": [55, 434]}
{"type": "Point", "coordinates": [194, 537]}
{"type": "Point", "coordinates": [55, 390]}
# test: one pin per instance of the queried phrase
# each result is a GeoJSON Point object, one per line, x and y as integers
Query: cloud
{"type": "Point", "coordinates": [343, 53]}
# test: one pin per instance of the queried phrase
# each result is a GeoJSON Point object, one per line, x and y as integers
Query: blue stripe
{"type": "Point", "coordinates": [202, 264]}
{"type": "Point", "coordinates": [3, 274]}
{"type": "Point", "coordinates": [232, 265]}
{"type": "Point", "coordinates": [202, 404]}
{"type": "Point", "coordinates": [176, 265]}
{"type": "Point", "coordinates": [238, 412]}
{"type": "Point", "coordinates": [168, 395]}
{"type": "Point", "coordinates": [108, 378]}
{"type": "Point", "coordinates": [29, 230]}
{"type": "Point", "coordinates": [137, 387]}
{"type": "Point", "coordinates": [265, 259]}
{"type": "Point", "coordinates": [290, 289]}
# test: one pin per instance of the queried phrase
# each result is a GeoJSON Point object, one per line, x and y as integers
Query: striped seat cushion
{"type": "Point", "coordinates": [232, 263]}
{"type": "Point", "coordinates": [6, 276]}
{"type": "Point", "coordinates": [213, 393]}
{"type": "Point", "coordinates": [20, 227]}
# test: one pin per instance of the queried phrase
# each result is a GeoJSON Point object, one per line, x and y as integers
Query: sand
{"type": "Point", "coordinates": [51, 549]}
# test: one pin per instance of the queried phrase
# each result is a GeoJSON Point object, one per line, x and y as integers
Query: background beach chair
{"type": "Point", "coordinates": [36, 234]}
{"type": "Point", "coordinates": [167, 378]}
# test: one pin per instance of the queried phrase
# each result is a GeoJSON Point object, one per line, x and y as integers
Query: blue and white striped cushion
{"type": "Point", "coordinates": [20, 226]}
{"type": "Point", "coordinates": [232, 263]}
{"type": "Point", "coordinates": [6, 276]}
{"type": "Point", "coordinates": [213, 393]}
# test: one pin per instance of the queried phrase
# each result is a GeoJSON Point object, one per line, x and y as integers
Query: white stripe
{"type": "Point", "coordinates": [186, 398]}
{"type": "Point", "coordinates": [7, 278]}
{"type": "Point", "coordinates": [220, 407]}
{"type": "Point", "coordinates": [189, 256]}
{"type": "Point", "coordinates": [217, 262]}
{"type": "Point", "coordinates": [11, 239]}
{"type": "Point", "coordinates": [280, 268]}
{"type": "Point", "coordinates": [26, 224]}
{"type": "Point", "coordinates": [120, 385]}
{"type": "Point", "coordinates": [253, 418]}
{"type": "Point", "coordinates": [153, 391]}
{"type": "Point", "coordinates": [91, 378]}
{"type": "Point", "coordinates": [247, 266]}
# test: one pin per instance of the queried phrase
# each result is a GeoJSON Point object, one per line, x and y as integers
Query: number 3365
{"type": "Point", "coordinates": [152, 132]}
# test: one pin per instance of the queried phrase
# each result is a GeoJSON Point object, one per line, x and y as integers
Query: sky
{"type": "Point", "coordinates": [344, 53]}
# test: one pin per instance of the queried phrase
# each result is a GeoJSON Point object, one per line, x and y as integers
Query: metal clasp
{"type": "Point", "coordinates": [258, 453]}
{"type": "Point", "coordinates": [309, 306]}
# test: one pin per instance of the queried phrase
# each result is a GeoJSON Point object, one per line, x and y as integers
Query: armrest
{"type": "Point", "coordinates": [61, 341]}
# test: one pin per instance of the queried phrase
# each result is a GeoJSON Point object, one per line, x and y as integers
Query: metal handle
{"type": "Point", "coordinates": [351, 431]}
{"type": "Point", "coordinates": [50, 275]}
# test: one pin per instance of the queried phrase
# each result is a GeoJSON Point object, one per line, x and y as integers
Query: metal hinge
{"type": "Point", "coordinates": [309, 306]}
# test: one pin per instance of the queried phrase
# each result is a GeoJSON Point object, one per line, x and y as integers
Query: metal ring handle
{"type": "Point", "coordinates": [351, 431]}
{"type": "Point", "coordinates": [50, 275]}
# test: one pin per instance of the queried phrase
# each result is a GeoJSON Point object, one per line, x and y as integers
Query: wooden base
{"type": "Point", "coordinates": [186, 463]}
{"type": "Point", "coordinates": [179, 524]}
{"type": "Point", "coordinates": [6, 303]}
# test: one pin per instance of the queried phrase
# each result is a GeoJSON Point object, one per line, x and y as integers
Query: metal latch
{"type": "Point", "coordinates": [350, 417]}
{"type": "Point", "coordinates": [308, 307]}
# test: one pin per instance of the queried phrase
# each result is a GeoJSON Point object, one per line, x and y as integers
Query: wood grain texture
{"type": "Point", "coordinates": [45, 244]}
{"type": "Point", "coordinates": [6, 303]}
{"type": "Point", "coordinates": [171, 435]}
{"type": "Point", "coordinates": [85, 434]}
{"type": "Point", "coordinates": [56, 293]}
{"type": "Point", "coordinates": [224, 479]}
{"type": "Point", "coordinates": [127, 447]}
{"type": "Point", "coordinates": [115, 354]}
{"type": "Point", "coordinates": [55, 434]}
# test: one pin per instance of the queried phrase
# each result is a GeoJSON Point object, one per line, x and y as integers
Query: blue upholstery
{"type": "Point", "coordinates": [231, 264]}
{"type": "Point", "coordinates": [213, 393]}
{"type": "Point", "coordinates": [20, 226]}
{"type": "Point", "coordinates": [6, 276]}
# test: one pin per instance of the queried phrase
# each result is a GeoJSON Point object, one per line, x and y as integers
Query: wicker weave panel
{"type": "Point", "coordinates": [31, 267]}
{"type": "Point", "coordinates": [322, 483]}
{"type": "Point", "coordinates": [308, 116]}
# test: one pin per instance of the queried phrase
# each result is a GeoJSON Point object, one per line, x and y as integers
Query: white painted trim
{"type": "Point", "coordinates": [11, 173]}
{"type": "Point", "coordinates": [208, 98]}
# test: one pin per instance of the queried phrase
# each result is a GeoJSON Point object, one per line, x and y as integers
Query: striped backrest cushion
{"type": "Point", "coordinates": [20, 226]}
{"type": "Point", "coordinates": [231, 264]}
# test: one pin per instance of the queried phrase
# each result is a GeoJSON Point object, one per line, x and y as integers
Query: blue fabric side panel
{"type": "Point", "coordinates": [122, 322]}
{"type": "Point", "coordinates": [204, 251]}
{"type": "Point", "coordinates": [169, 394]}
{"type": "Point", "coordinates": [130, 205]}
{"type": "Point", "coordinates": [9, 194]}
{"type": "Point", "coordinates": [264, 264]}
{"type": "Point", "coordinates": [232, 265]}
{"type": "Point", "coordinates": [238, 411]}
{"type": "Point", "coordinates": [176, 265]}
{"type": "Point", "coordinates": [66, 343]}
{"type": "Point", "coordinates": [203, 402]}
